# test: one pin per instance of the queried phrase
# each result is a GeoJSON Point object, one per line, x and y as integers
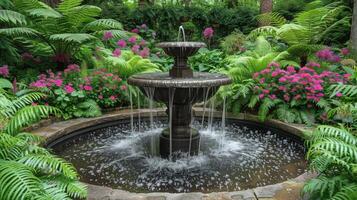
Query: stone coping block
{"type": "Point", "coordinates": [288, 190]}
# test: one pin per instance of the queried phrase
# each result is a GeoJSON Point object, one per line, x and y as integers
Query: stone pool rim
{"type": "Point", "coordinates": [54, 131]}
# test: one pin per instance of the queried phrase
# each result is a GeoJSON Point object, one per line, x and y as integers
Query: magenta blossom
{"type": "Point", "coordinates": [107, 35]}
{"type": "Point", "coordinates": [145, 52]}
{"type": "Point", "coordinates": [116, 52]}
{"type": "Point", "coordinates": [58, 82]}
{"type": "Point", "coordinates": [88, 88]}
{"type": "Point", "coordinates": [339, 94]}
{"type": "Point", "coordinates": [345, 51]}
{"type": "Point", "coordinates": [132, 39]}
{"type": "Point", "coordinates": [68, 88]}
{"type": "Point", "coordinates": [113, 98]}
{"type": "Point", "coordinates": [142, 43]}
{"type": "Point", "coordinates": [4, 71]}
{"type": "Point", "coordinates": [135, 30]}
{"type": "Point", "coordinates": [135, 49]}
{"type": "Point", "coordinates": [123, 87]}
{"type": "Point", "coordinates": [143, 26]}
{"type": "Point", "coordinates": [121, 43]}
{"type": "Point", "coordinates": [208, 33]}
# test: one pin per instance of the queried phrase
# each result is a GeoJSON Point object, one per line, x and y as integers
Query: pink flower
{"type": "Point", "coordinates": [339, 94]}
{"type": "Point", "coordinates": [272, 97]}
{"type": "Point", "coordinates": [291, 69]}
{"type": "Point", "coordinates": [69, 89]}
{"type": "Point", "coordinates": [142, 43]}
{"type": "Point", "coordinates": [132, 39]}
{"type": "Point", "coordinates": [135, 49]}
{"type": "Point", "coordinates": [313, 64]}
{"type": "Point", "coordinates": [273, 64]}
{"type": "Point", "coordinates": [266, 91]}
{"type": "Point", "coordinates": [87, 88]}
{"type": "Point", "coordinates": [72, 68]}
{"type": "Point", "coordinates": [116, 52]}
{"type": "Point", "coordinates": [4, 71]}
{"type": "Point", "coordinates": [34, 104]}
{"type": "Point", "coordinates": [347, 76]}
{"type": "Point", "coordinates": [282, 80]}
{"type": "Point", "coordinates": [123, 87]}
{"type": "Point", "coordinates": [121, 43]}
{"type": "Point", "coordinates": [208, 33]}
{"type": "Point", "coordinates": [100, 96]}
{"type": "Point", "coordinates": [255, 75]}
{"type": "Point", "coordinates": [261, 96]}
{"type": "Point", "coordinates": [143, 26]}
{"type": "Point", "coordinates": [113, 98]}
{"type": "Point", "coordinates": [58, 82]}
{"type": "Point", "coordinates": [345, 51]}
{"type": "Point", "coordinates": [39, 84]}
{"type": "Point", "coordinates": [262, 80]}
{"type": "Point", "coordinates": [135, 30]}
{"type": "Point", "coordinates": [286, 97]}
{"type": "Point", "coordinates": [107, 35]}
{"type": "Point", "coordinates": [145, 52]}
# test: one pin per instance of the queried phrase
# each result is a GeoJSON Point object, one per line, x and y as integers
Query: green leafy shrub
{"type": "Point", "coordinates": [208, 60]}
{"type": "Point", "coordinates": [233, 43]}
{"type": "Point", "coordinates": [68, 91]}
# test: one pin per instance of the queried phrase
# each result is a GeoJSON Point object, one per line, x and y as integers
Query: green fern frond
{"type": "Point", "coordinates": [324, 131]}
{"type": "Point", "coordinates": [12, 17]}
{"type": "Point", "coordinates": [271, 19]}
{"type": "Point", "coordinates": [346, 193]}
{"type": "Point", "coordinates": [28, 115]}
{"type": "Point", "coordinates": [49, 165]}
{"type": "Point", "coordinates": [103, 24]}
{"type": "Point", "coordinates": [18, 32]}
{"type": "Point", "coordinates": [266, 107]}
{"type": "Point", "coordinates": [53, 193]}
{"type": "Point", "coordinates": [17, 181]}
{"type": "Point", "coordinates": [324, 186]}
{"type": "Point", "coordinates": [286, 114]}
{"type": "Point", "coordinates": [345, 90]}
{"type": "Point", "coordinates": [73, 188]}
{"type": "Point", "coordinates": [44, 13]}
{"type": "Point", "coordinates": [66, 5]}
{"type": "Point", "coordinates": [78, 38]}
{"type": "Point", "coordinates": [263, 31]}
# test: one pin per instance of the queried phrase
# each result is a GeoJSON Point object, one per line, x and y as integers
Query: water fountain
{"type": "Point", "coordinates": [142, 151]}
{"type": "Point", "coordinates": [179, 90]}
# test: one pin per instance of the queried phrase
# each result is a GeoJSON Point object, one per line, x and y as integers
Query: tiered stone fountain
{"type": "Point", "coordinates": [179, 90]}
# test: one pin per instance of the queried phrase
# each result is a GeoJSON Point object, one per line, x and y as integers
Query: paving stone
{"type": "Point", "coordinates": [243, 195]}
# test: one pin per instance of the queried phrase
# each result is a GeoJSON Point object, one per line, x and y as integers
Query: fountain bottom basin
{"type": "Point", "coordinates": [246, 155]}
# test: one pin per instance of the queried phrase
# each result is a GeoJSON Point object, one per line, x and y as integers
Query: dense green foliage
{"type": "Point", "coordinates": [28, 171]}
{"type": "Point", "coordinates": [166, 19]}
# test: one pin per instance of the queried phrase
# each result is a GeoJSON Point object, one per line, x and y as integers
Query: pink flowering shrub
{"type": "Point", "coordinates": [72, 93]}
{"type": "Point", "coordinates": [4, 71]}
{"type": "Point", "coordinates": [300, 88]}
{"type": "Point", "coordinates": [108, 90]}
{"type": "Point", "coordinates": [208, 33]}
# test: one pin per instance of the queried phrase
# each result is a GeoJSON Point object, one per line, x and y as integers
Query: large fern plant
{"type": "Point", "coordinates": [307, 31]}
{"type": "Point", "coordinates": [28, 171]}
{"type": "Point", "coordinates": [333, 155]}
{"type": "Point", "coordinates": [59, 31]}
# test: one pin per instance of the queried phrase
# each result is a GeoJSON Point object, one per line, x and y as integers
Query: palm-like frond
{"type": "Point", "coordinates": [18, 32]}
{"type": "Point", "coordinates": [103, 24]}
{"type": "Point", "coordinates": [12, 17]}
{"type": "Point", "coordinates": [44, 13]}
{"type": "Point", "coordinates": [348, 192]}
{"type": "Point", "coordinates": [49, 165]}
{"type": "Point", "coordinates": [78, 38]}
{"type": "Point", "coordinates": [29, 115]}
{"type": "Point", "coordinates": [73, 188]}
{"type": "Point", "coordinates": [17, 181]}
{"type": "Point", "coordinates": [345, 90]}
{"type": "Point", "coordinates": [66, 5]}
{"type": "Point", "coordinates": [271, 19]}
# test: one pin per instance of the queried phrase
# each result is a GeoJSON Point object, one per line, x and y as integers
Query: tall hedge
{"type": "Point", "coordinates": [166, 19]}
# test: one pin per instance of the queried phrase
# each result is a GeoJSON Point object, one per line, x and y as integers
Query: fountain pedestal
{"type": "Point", "coordinates": [179, 90]}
